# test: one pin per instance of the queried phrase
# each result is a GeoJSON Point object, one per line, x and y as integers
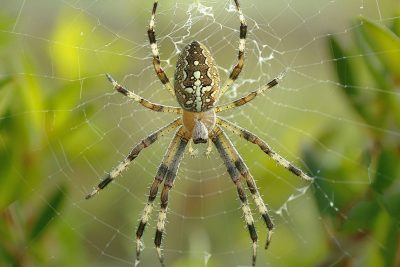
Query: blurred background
{"type": "Point", "coordinates": [336, 115]}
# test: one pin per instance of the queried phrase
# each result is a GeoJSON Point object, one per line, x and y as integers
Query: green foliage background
{"type": "Point", "coordinates": [54, 102]}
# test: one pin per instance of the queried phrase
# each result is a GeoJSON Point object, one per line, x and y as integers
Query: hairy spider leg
{"type": "Point", "coordinates": [242, 44]}
{"type": "Point", "coordinates": [244, 100]}
{"type": "Point", "coordinates": [193, 152]}
{"type": "Point", "coordinates": [221, 142]}
{"type": "Point", "coordinates": [247, 135]}
{"type": "Point", "coordinates": [183, 137]}
{"type": "Point", "coordinates": [165, 165]}
{"type": "Point", "coordinates": [154, 50]}
{"type": "Point", "coordinates": [241, 166]}
{"type": "Point", "coordinates": [144, 102]}
{"type": "Point", "coordinates": [133, 154]}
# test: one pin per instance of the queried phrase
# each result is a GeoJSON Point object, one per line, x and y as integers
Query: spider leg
{"type": "Point", "coordinates": [192, 152]}
{"type": "Point", "coordinates": [133, 154]}
{"type": "Point", "coordinates": [141, 100]}
{"type": "Point", "coordinates": [165, 165]}
{"type": "Point", "coordinates": [264, 147]}
{"type": "Point", "coordinates": [209, 149]}
{"type": "Point", "coordinates": [170, 175]}
{"type": "Point", "coordinates": [242, 42]}
{"type": "Point", "coordinates": [243, 100]}
{"type": "Point", "coordinates": [154, 49]}
{"type": "Point", "coordinates": [241, 166]}
{"type": "Point", "coordinates": [222, 144]}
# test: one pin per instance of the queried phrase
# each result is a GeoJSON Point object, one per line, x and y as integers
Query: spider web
{"type": "Point", "coordinates": [81, 40]}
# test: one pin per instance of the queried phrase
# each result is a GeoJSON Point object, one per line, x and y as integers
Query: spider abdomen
{"type": "Point", "coordinates": [196, 78]}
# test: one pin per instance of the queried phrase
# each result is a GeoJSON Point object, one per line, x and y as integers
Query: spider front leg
{"type": "Point", "coordinates": [154, 50]}
{"type": "Point", "coordinates": [219, 139]}
{"type": "Point", "coordinates": [163, 169]}
{"type": "Point", "coordinates": [133, 154]}
{"type": "Point", "coordinates": [244, 100]}
{"type": "Point", "coordinates": [242, 42]}
{"type": "Point", "coordinates": [144, 102]}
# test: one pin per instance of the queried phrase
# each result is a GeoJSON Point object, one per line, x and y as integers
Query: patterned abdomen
{"type": "Point", "coordinates": [196, 78]}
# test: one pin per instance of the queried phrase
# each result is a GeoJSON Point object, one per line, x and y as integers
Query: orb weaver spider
{"type": "Point", "coordinates": [197, 91]}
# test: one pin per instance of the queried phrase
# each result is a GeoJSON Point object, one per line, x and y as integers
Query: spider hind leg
{"type": "Point", "coordinates": [223, 146]}
{"type": "Point", "coordinates": [166, 172]}
{"type": "Point", "coordinates": [183, 139]}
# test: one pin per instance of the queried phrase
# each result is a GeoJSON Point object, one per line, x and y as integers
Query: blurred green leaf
{"type": "Point", "coordinates": [10, 154]}
{"type": "Point", "coordinates": [9, 185]}
{"type": "Point", "coordinates": [365, 213]}
{"type": "Point", "coordinates": [374, 64]}
{"type": "Point", "coordinates": [387, 170]}
{"type": "Point", "coordinates": [6, 258]}
{"type": "Point", "coordinates": [391, 202]}
{"type": "Point", "coordinates": [346, 78]}
{"type": "Point", "coordinates": [5, 81]}
{"type": "Point", "coordinates": [391, 245]}
{"type": "Point", "coordinates": [384, 43]}
{"type": "Point", "coordinates": [334, 195]}
{"type": "Point", "coordinates": [33, 98]}
{"type": "Point", "coordinates": [48, 213]}
{"type": "Point", "coordinates": [62, 103]}
{"type": "Point", "coordinates": [5, 95]}
{"type": "Point", "coordinates": [362, 216]}
{"type": "Point", "coordinates": [73, 55]}
{"type": "Point", "coordinates": [385, 97]}
{"type": "Point", "coordinates": [396, 23]}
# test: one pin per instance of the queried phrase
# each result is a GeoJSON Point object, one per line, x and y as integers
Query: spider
{"type": "Point", "coordinates": [197, 90]}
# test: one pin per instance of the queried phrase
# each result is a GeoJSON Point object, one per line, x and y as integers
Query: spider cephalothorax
{"type": "Point", "coordinates": [197, 89]}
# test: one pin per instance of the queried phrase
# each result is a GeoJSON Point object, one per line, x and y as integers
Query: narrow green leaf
{"type": "Point", "coordinates": [326, 167]}
{"type": "Point", "coordinates": [396, 24]}
{"type": "Point", "coordinates": [362, 216]}
{"type": "Point", "coordinates": [384, 102]}
{"type": "Point", "coordinates": [387, 170]}
{"type": "Point", "coordinates": [62, 103]}
{"type": "Point", "coordinates": [345, 75]}
{"type": "Point", "coordinates": [10, 155]}
{"type": "Point", "coordinates": [48, 213]}
{"type": "Point", "coordinates": [5, 95]}
{"type": "Point", "coordinates": [392, 242]}
{"type": "Point", "coordinates": [6, 257]}
{"type": "Point", "coordinates": [32, 94]}
{"type": "Point", "coordinates": [4, 81]}
{"type": "Point", "coordinates": [343, 67]}
{"type": "Point", "coordinates": [312, 159]}
{"type": "Point", "coordinates": [374, 65]}
{"type": "Point", "coordinates": [9, 185]}
{"type": "Point", "coordinates": [385, 44]}
{"type": "Point", "coordinates": [391, 202]}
